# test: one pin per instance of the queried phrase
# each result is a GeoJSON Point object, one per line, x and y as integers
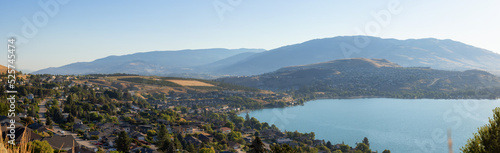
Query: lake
{"type": "Point", "coordinates": [401, 125]}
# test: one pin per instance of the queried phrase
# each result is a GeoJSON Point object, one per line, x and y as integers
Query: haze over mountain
{"type": "Point", "coordinates": [150, 63]}
{"type": "Point", "coordinates": [438, 54]}
{"type": "Point", "coordinates": [434, 53]}
{"type": "Point", "coordinates": [372, 77]}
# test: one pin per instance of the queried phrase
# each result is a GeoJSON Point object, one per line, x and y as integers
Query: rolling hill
{"type": "Point", "coordinates": [3, 69]}
{"type": "Point", "coordinates": [373, 77]}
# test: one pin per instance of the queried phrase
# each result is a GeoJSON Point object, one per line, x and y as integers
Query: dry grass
{"type": "Point", "coordinates": [3, 69]}
{"type": "Point", "coordinates": [191, 83]}
{"type": "Point", "coordinates": [22, 147]}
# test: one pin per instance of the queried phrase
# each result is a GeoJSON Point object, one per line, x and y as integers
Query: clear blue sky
{"type": "Point", "coordinates": [83, 31]}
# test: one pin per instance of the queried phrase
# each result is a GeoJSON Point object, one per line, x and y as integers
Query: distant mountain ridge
{"type": "Point", "coordinates": [430, 52]}
{"type": "Point", "coordinates": [438, 54]}
{"type": "Point", "coordinates": [150, 63]}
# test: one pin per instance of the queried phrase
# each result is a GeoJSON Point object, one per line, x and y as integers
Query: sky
{"type": "Point", "coordinates": [53, 33]}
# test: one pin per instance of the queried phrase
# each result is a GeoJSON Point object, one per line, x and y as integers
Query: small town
{"type": "Point", "coordinates": [107, 115]}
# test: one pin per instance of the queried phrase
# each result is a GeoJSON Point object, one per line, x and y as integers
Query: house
{"type": "Point", "coordinates": [137, 135]}
{"type": "Point", "coordinates": [193, 140]}
{"type": "Point", "coordinates": [126, 127]}
{"type": "Point", "coordinates": [44, 129]}
{"type": "Point", "coordinates": [283, 140]}
{"type": "Point", "coordinates": [109, 141]}
{"type": "Point", "coordinates": [271, 134]}
{"type": "Point", "coordinates": [205, 137]}
{"type": "Point", "coordinates": [143, 150]}
{"type": "Point", "coordinates": [82, 127]}
{"type": "Point", "coordinates": [78, 121]}
{"type": "Point", "coordinates": [23, 115]}
{"type": "Point", "coordinates": [35, 126]}
{"type": "Point", "coordinates": [162, 121]}
{"type": "Point", "coordinates": [30, 96]}
{"type": "Point", "coordinates": [248, 139]}
{"type": "Point", "coordinates": [225, 130]}
{"type": "Point", "coordinates": [145, 128]}
{"type": "Point", "coordinates": [65, 115]}
{"type": "Point", "coordinates": [62, 142]}
{"type": "Point", "coordinates": [234, 145]}
{"type": "Point", "coordinates": [80, 150]}
{"type": "Point", "coordinates": [318, 142]}
{"type": "Point", "coordinates": [5, 119]}
{"type": "Point", "coordinates": [186, 129]}
{"type": "Point", "coordinates": [248, 131]}
{"type": "Point", "coordinates": [21, 131]}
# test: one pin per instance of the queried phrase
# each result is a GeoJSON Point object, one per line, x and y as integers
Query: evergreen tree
{"type": "Point", "coordinates": [162, 133]}
{"type": "Point", "coordinates": [329, 145]}
{"type": "Point", "coordinates": [48, 121]}
{"type": "Point", "coordinates": [165, 143]}
{"type": "Point", "coordinates": [122, 143]}
{"type": "Point", "coordinates": [191, 148]}
{"type": "Point", "coordinates": [365, 141]}
{"type": "Point", "coordinates": [257, 146]}
{"type": "Point", "coordinates": [171, 148]}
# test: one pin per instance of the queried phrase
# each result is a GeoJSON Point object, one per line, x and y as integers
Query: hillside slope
{"type": "Point", "coordinates": [434, 53]}
{"type": "Point", "coordinates": [370, 77]}
{"type": "Point", "coordinates": [149, 63]}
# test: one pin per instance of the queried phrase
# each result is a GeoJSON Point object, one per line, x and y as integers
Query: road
{"type": "Point", "coordinates": [42, 110]}
{"type": "Point", "coordinates": [41, 113]}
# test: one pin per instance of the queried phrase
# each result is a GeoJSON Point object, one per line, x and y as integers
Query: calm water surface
{"type": "Point", "coordinates": [401, 125]}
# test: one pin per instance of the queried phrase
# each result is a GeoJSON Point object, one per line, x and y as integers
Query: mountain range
{"type": "Point", "coordinates": [152, 63]}
{"type": "Point", "coordinates": [437, 54]}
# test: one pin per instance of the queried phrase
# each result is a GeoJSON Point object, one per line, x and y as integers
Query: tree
{"type": "Point", "coordinates": [337, 151]}
{"type": "Point", "coordinates": [191, 148]}
{"type": "Point", "coordinates": [386, 151]}
{"type": "Point", "coordinates": [344, 148]}
{"type": "Point", "coordinates": [48, 121]}
{"type": "Point", "coordinates": [151, 132]}
{"type": "Point", "coordinates": [229, 125]}
{"type": "Point", "coordinates": [247, 120]}
{"type": "Point", "coordinates": [220, 136]}
{"type": "Point", "coordinates": [487, 137]}
{"type": "Point", "coordinates": [363, 147]}
{"type": "Point", "coordinates": [329, 145]}
{"type": "Point", "coordinates": [71, 118]}
{"type": "Point", "coordinates": [171, 148]}
{"type": "Point", "coordinates": [162, 134]}
{"type": "Point", "coordinates": [41, 147]}
{"type": "Point", "coordinates": [285, 148]}
{"type": "Point", "coordinates": [29, 120]}
{"type": "Point", "coordinates": [164, 143]}
{"type": "Point", "coordinates": [234, 136]}
{"type": "Point", "coordinates": [207, 150]}
{"type": "Point", "coordinates": [365, 141]}
{"type": "Point", "coordinates": [257, 146]}
{"type": "Point", "coordinates": [122, 143]}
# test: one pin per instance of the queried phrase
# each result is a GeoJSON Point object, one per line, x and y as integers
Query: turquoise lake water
{"type": "Point", "coordinates": [401, 125]}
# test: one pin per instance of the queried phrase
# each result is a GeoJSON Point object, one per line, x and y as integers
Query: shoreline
{"type": "Point", "coordinates": [360, 97]}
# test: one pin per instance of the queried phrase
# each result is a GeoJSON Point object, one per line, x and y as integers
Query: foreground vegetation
{"type": "Point", "coordinates": [487, 139]}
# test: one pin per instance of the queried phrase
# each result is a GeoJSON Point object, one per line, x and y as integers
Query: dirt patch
{"type": "Point", "coordinates": [191, 83]}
